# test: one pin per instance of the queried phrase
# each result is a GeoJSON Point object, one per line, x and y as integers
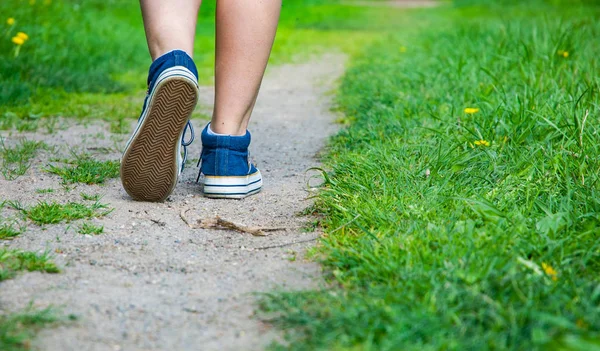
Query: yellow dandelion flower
{"type": "Point", "coordinates": [471, 110]}
{"type": "Point", "coordinates": [10, 21]}
{"type": "Point", "coordinates": [23, 36]}
{"type": "Point", "coordinates": [562, 53]}
{"type": "Point", "coordinates": [481, 142]}
{"type": "Point", "coordinates": [550, 271]}
{"type": "Point", "coordinates": [402, 49]}
{"type": "Point", "coordinates": [566, 54]}
{"type": "Point", "coordinates": [581, 323]}
{"type": "Point", "coordinates": [18, 40]}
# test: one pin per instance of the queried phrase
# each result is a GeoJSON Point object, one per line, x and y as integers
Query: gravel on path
{"type": "Point", "coordinates": [153, 282]}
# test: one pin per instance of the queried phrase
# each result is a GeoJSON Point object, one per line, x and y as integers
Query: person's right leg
{"type": "Point", "coordinates": [152, 159]}
{"type": "Point", "coordinates": [245, 33]}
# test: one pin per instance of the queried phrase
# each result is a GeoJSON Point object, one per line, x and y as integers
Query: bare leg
{"type": "Point", "coordinates": [152, 160]}
{"type": "Point", "coordinates": [170, 25]}
{"type": "Point", "coordinates": [245, 33]}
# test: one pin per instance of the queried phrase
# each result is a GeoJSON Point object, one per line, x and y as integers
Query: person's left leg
{"type": "Point", "coordinates": [245, 33]}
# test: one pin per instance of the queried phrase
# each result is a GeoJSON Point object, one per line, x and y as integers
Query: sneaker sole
{"type": "Point", "coordinates": [150, 164]}
{"type": "Point", "coordinates": [219, 187]}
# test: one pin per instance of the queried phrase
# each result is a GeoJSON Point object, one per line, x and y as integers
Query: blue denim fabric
{"type": "Point", "coordinates": [225, 155]}
{"type": "Point", "coordinates": [168, 60]}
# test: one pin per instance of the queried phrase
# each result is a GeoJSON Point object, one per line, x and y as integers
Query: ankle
{"type": "Point", "coordinates": [224, 155]}
{"type": "Point", "coordinates": [159, 53]}
{"type": "Point", "coordinates": [210, 131]}
{"type": "Point", "coordinates": [224, 128]}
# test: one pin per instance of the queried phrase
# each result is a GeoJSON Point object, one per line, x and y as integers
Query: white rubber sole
{"type": "Point", "coordinates": [232, 187]}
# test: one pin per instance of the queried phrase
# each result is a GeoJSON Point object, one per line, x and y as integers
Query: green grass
{"type": "Point", "coordinates": [18, 329]}
{"type": "Point", "coordinates": [48, 78]}
{"type": "Point", "coordinates": [46, 67]}
{"type": "Point", "coordinates": [436, 241]}
{"type": "Point", "coordinates": [90, 229]}
{"type": "Point", "coordinates": [9, 230]}
{"type": "Point", "coordinates": [13, 261]}
{"type": "Point", "coordinates": [85, 169]}
{"type": "Point", "coordinates": [89, 197]}
{"type": "Point", "coordinates": [16, 160]}
{"type": "Point", "coordinates": [44, 190]}
{"type": "Point", "coordinates": [53, 213]}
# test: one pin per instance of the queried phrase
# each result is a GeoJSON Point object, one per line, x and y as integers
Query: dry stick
{"type": "Point", "coordinates": [219, 223]}
{"type": "Point", "coordinates": [184, 218]}
{"type": "Point", "coordinates": [158, 222]}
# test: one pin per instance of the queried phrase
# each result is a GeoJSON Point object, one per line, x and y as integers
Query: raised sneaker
{"type": "Point", "coordinates": [155, 154]}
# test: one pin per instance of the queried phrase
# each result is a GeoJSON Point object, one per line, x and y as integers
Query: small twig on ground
{"type": "Point", "coordinates": [184, 218]}
{"type": "Point", "coordinates": [158, 222]}
{"type": "Point", "coordinates": [219, 223]}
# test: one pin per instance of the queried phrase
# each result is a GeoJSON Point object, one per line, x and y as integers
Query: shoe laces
{"type": "Point", "coordinates": [184, 143]}
{"type": "Point", "coordinates": [198, 165]}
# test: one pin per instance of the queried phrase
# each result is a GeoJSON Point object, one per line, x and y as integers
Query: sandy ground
{"type": "Point", "coordinates": [151, 282]}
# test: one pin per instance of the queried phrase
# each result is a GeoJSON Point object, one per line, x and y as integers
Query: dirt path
{"type": "Point", "coordinates": [151, 282]}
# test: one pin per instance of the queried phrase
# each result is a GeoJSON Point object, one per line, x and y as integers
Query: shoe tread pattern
{"type": "Point", "coordinates": [149, 168]}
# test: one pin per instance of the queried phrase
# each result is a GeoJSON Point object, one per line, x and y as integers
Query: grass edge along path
{"type": "Point", "coordinates": [462, 211]}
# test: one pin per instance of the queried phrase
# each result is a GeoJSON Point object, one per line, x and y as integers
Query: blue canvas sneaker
{"type": "Point", "coordinates": [226, 167]}
{"type": "Point", "coordinates": [153, 159]}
